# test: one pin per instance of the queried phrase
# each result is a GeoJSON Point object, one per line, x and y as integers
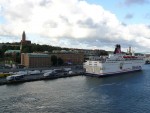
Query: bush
{"type": "Point", "coordinates": [4, 75]}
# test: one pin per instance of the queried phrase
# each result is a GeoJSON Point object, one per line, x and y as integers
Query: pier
{"type": "Point", "coordinates": [36, 77]}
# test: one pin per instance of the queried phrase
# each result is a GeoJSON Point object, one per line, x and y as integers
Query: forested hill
{"type": "Point", "coordinates": [28, 48]}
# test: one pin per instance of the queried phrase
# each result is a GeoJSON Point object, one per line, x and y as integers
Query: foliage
{"type": "Point", "coordinates": [60, 61]}
{"type": "Point", "coordinates": [54, 60]}
{"type": "Point", "coordinates": [18, 58]}
{"type": "Point", "coordinates": [102, 52]}
{"type": "Point", "coordinates": [42, 48]}
{"type": "Point", "coordinates": [26, 49]}
{"type": "Point", "coordinates": [4, 74]}
{"type": "Point", "coordinates": [1, 53]}
{"type": "Point", "coordinates": [36, 48]}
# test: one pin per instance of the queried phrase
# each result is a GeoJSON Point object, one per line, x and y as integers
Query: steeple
{"type": "Point", "coordinates": [23, 36]}
{"type": "Point", "coordinates": [24, 41]}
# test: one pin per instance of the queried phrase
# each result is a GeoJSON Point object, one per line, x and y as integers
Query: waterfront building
{"type": "Point", "coordinates": [70, 57]}
{"type": "Point", "coordinates": [11, 56]}
{"type": "Point", "coordinates": [35, 60]}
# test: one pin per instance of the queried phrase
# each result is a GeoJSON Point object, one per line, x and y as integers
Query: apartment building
{"type": "Point", "coordinates": [35, 60]}
{"type": "Point", "coordinates": [70, 58]}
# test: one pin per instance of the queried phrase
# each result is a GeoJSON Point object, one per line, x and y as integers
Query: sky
{"type": "Point", "coordinates": [83, 24]}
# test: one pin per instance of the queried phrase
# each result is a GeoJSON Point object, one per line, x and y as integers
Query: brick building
{"type": "Point", "coordinates": [35, 60]}
{"type": "Point", "coordinates": [70, 58]}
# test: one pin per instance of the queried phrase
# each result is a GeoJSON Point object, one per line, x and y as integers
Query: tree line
{"type": "Point", "coordinates": [28, 48]}
{"type": "Point", "coordinates": [33, 48]}
{"type": "Point", "coordinates": [25, 49]}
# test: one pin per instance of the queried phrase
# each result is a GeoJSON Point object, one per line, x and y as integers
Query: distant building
{"type": "Point", "coordinates": [35, 60]}
{"type": "Point", "coordinates": [12, 51]}
{"type": "Point", "coordinates": [147, 57]}
{"type": "Point", "coordinates": [24, 41]}
{"type": "Point", "coordinates": [70, 58]}
{"type": "Point", "coordinates": [11, 55]}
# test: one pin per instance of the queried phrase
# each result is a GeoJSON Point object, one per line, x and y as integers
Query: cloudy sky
{"type": "Point", "coordinates": [85, 24]}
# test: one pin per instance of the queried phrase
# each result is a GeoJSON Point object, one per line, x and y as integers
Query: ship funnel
{"type": "Point", "coordinates": [117, 49]}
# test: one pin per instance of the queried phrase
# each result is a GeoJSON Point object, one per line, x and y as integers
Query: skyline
{"type": "Point", "coordinates": [88, 24]}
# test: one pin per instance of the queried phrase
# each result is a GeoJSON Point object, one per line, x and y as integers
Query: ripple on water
{"type": "Point", "coordinates": [127, 93]}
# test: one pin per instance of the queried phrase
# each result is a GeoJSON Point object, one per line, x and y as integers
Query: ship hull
{"type": "Point", "coordinates": [112, 68]}
{"type": "Point", "coordinates": [111, 73]}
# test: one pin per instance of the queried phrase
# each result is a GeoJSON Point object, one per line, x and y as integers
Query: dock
{"type": "Point", "coordinates": [39, 76]}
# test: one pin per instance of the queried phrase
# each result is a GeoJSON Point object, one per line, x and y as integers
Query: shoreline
{"type": "Point", "coordinates": [5, 82]}
{"type": "Point", "coordinates": [44, 68]}
{"type": "Point", "coordinates": [38, 77]}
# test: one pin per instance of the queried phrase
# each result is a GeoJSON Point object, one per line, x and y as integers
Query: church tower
{"type": "Point", "coordinates": [24, 41]}
{"type": "Point", "coordinates": [23, 36]}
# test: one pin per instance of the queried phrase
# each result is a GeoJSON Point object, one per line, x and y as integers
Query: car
{"type": "Point", "coordinates": [71, 73]}
{"type": "Point", "coordinates": [21, 73]}
{"type": "Point", "coordinates": [55, 72]}
{"type": "Point", "coordinates": [49, 73]}
{"type": "Point", "coordinates": [14, 77]}
{"type": "Point", "coordinates": [45, 71]}
{"type": "Point", "coordinates": [60, 72]}
{"type": "Point", "coordinates": [67, 69]}
{"type": "Point", "coordinates": [20, 66]}
{"type": "Point", "coordinates": [34, 72]}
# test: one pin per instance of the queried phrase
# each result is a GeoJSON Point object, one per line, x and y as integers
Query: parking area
{"type": "Point", "coordinates": [73, 71]}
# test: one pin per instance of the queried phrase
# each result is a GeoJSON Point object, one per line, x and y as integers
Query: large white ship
{"type": "Point", "coordinates": [114, 64]}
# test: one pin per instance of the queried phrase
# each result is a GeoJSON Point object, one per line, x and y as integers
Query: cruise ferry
{"type": "Point", "coordinates": [114, 64]}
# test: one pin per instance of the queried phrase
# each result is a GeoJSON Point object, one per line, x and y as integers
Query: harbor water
{"type": "Point", "coordinates": [124, 93]}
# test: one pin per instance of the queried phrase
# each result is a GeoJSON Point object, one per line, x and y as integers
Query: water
{"type": "Point", "coordinates": [126, 93]}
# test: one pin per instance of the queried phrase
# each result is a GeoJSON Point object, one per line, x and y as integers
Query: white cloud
{"type": "Point", "coordinates": [77, 22]}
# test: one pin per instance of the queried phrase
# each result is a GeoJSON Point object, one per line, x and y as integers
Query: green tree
{"type": "Point", "coordinates": [102, 52]}
{"type": "Point", "coordinates": [54, 60]}
{"type": "Point", "coordinates": [60, 61]}
{"type": "Point", "coordinates": [1, 53]}
{"type": "Point", "coordinates": [18, 58]}
{"type": "Point", "coordinates": [26, 49]}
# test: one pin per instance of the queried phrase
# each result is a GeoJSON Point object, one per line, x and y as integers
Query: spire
{"type": "Point", "coordinates": [23, 36]}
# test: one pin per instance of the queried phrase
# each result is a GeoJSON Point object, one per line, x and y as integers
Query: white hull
{"type": "Point", "coordinates": [114, 64]}
{"type": "Point", "coordinates": [98, 68]}
{"type": "Point", "coordinates": [112, 73]}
